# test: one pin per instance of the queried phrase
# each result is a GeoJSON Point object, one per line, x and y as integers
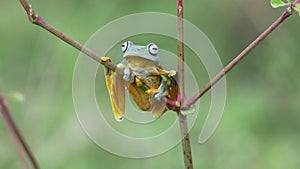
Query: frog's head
{"type": "Point", "coordinates": [149, 52]}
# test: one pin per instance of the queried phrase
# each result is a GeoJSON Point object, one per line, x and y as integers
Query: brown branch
{"type": "Point", "coordinates": [16, 134]}
{"type": "Point", "coordinates": [16, 141]}
{"type": "Point", "coordinates": [238, 58]}
{"type": "Point", "coordinates": [296, 2]}
{"type": "Point", "coordinates": [185, 142]}
{"type": "Point", "coordinates": [37, 20]}
{"type": "Point", "coordinates": [293, 5]}
{"type": "Point", "coordinates": [18, 146]}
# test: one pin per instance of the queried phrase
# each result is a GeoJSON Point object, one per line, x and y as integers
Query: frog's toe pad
{"type": "Point", "coordinates": [105, 59]}
{"type": "Point", "coordinates": [160, 95]}
{"type": "Point", "coordinates": [152, 91]}
{"type": "Point", "coordinates": [172, 73]}
{"type": "Point", "coordinates": [120, 119]}
{"type": "Point", "coordinates": [121, 66]}
{"type": "Point", "coordinates": [139, 82]}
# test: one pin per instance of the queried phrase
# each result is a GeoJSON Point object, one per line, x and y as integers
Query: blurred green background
{"type": "Point", "coordinates": [260, 127]}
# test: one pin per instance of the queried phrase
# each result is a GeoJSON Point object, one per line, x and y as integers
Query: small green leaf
{"type": "Point", "coordinates": [297, 8]}
{"type": "Point", "coordinates": [279, 3]}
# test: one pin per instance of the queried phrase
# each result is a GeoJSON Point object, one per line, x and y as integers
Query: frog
{"type": "Point", "coordinates": [147, 82]}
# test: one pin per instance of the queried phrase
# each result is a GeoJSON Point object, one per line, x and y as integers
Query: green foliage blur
{"type": "Point", "coordinates": [260, 127]}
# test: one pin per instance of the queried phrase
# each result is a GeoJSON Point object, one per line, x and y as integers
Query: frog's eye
{"type": "Point", "coordinates": [153, 49]}
{"type": "Point", "coordinates": [124, 47]}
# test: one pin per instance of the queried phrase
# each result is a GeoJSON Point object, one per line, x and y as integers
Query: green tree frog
{"type": "Point", "coordinates": [146, 81]}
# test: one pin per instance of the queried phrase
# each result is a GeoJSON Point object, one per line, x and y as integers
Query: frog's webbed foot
{"type": "Point", "coordinates": [159, 95]}
{"type": "Point", "coordinates": [160, 92]}
{"type": "Point", "coordinates": [152, 91]}
{"type": "Point", "coordinates": [106, 69]}
{"type": "Point", "coordinates": [105, 59]}
{"type": "Point", "coordinates": [171, 73]}
{"type": "Point", "coordinates": [116, 91]}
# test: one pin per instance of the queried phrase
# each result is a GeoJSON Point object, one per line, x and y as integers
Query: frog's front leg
{"type": "Point", "coordinates": [127, 74]}
{"type": "Point", "coordinates": [167, 73]}
{"type": "Point", "coordinates": [116, 90]}
{"type": "Point", "coordinates": [161, 91]}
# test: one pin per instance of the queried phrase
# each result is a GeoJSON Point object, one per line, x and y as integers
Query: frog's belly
{"type": "Point", "coordinates": [142, 71]}
{"type": "Point", "coordinates": [139, 61]}
{"type": "Point", "coordinates": [141, 67]}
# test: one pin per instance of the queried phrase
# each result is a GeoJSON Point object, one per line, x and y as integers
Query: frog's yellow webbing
{"type": "Point", "coordinates": [115, 102]}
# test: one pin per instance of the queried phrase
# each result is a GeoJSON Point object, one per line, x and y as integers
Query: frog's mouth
{"type": "Point", "coordinates": [139, 58]}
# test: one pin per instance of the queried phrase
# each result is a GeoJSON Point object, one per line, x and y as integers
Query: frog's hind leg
{"type": "Point", "coordinates": [158, 108]}
{"type": "Point", "coordinates": [116, 89]}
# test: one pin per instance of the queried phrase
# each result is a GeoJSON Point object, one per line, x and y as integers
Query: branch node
{"type": "Point", "coordinates": [290, 9]}
{"type": "Point", "coordinates": [33, 16]}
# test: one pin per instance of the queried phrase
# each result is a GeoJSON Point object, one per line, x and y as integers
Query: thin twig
{"type": "Point", "coordinates": [16, 134]}
{"type": "Point", "coordinates": [15, 140]}
{"type": "Point", "coordinates": [295, 2]}
{"type": "Point", "coordinates": [293, 5]}
{"type": "Point", "coordinates": [238, 58]}
{"type": "Point", "coordinates": [185, 142]}
{"type": "Point", "coordinates": [37, 20]}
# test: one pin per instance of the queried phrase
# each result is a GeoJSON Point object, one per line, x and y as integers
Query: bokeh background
{"type": "Point", "coordinates": [260, 127]}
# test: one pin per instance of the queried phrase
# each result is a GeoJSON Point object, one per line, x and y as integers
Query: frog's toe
{"type": "Point", "coordinates": [152, 91]}
{"type": "Point", "coordinates": [121, 66]}
{"type": "Point", "coordinates": [105, 59]}
{"type": "Point", "coordinates": [160, 95]}
{"type": "Point", "coordinates": [120, 119]}
{"type": "Point", "coordinates": [171, 73]}
{"type": "Point", "coordinates": [138, 82]}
